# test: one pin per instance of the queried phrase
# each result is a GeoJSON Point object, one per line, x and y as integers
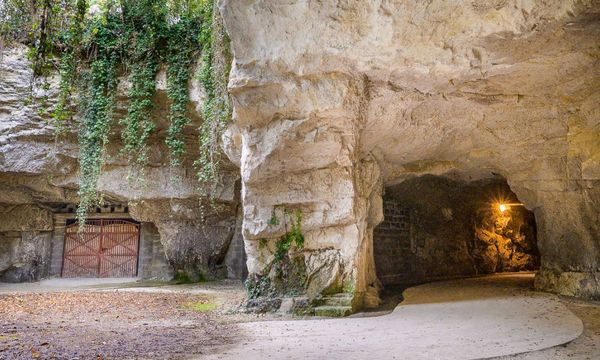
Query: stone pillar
{"type": "Point", "coordinates": [193, 246]}
{"type": "Point", "coordinates": [25, 240]}
{"type": "Point", "coordinates": [297, 140]}
{"type": "Point", "coordinates": [569, 241]}
{"type": "Point", "coordinates": [565, 200]}
{"type": "Point", "coordinates": [58, 244]}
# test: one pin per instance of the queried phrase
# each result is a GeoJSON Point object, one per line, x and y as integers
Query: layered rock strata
{"type": "Point", "coordinates": [334, 100]}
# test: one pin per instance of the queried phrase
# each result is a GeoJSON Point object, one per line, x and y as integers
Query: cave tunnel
{"type": "Point", "coordinates": [437, 228]}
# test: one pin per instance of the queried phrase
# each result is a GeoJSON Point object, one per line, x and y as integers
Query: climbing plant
{"type": "Point", "coordinates": [97, 95]}
{"type": "Point", "coordinates": [68, 66]}
{"type": "Point", "coordinates": [216, 112]}
{"type": "Point", "coordinates": [144, 25]}
{"type": "Point", "coordinates": [181, 48]}
{"type": "Point", "coordinates": [93, 43]}
{"type": "Point", "coordinates": [286, 273]}
{"type": "Point", "coordinates": [293, 236]}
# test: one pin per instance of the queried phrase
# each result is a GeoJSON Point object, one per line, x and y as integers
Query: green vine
{"type": "Point", "coordinates": [68, 67]}
{"type": "Point", "coordinates": [126, 38]}
{"type": "Point", "coordinates": [216, 111]}
{"type": "Point", "coordinates": [292, 236]}
{"type": "Point", "coordinates": [181, 48]}
{"type": "Point", "coordinates": [144, 23]}
{"type": "Point", "coordinates": [98, 87]}
{"type": "Point", "coordinates": [287, 269]}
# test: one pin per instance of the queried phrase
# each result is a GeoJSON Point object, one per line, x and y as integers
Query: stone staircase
{"type": "Point", "coordinates": [337, 305]}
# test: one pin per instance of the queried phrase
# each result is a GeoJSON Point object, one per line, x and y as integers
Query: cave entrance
{"type": "Point", "coordinates": [437, 228]}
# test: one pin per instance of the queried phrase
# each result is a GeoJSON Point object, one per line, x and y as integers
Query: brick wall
{"type": "Point", "coordinates": [153, 262]}
{"type": "Point", "coordinates": [392, 244]}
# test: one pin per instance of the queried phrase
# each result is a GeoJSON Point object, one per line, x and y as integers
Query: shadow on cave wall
{"type": "Point", "coordinates": [438, 228]}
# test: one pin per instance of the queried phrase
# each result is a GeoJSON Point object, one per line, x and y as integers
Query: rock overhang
{"type": "Point", "coordinates": [467, 90]}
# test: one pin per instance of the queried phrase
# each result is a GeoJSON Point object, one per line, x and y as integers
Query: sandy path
{"type": "Point", "coordinates": [463, 319]}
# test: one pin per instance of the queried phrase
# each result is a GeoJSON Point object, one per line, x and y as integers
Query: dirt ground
{"type": "Point", "coordinates": [152, 321]}
{"type": "Point", "coordinates": [110, 324]}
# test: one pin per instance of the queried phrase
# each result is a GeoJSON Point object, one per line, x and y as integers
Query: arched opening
{"type": "Point", "coordinates": [438, 228]}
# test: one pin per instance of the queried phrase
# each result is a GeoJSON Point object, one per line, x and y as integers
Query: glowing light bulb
{"type": "Point", "coordinates": [503, 207]}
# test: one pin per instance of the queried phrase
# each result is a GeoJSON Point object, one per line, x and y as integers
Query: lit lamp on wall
{"type": "Point", "coordinates": [504, 207]}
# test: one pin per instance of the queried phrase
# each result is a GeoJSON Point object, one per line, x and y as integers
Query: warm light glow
{"type": "Point", "coordinates": [503, 207]}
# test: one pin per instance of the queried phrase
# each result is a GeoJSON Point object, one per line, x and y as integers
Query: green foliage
{"type": "Point", "coordinates": [216, 111]}
{"type": "Point", "coordinates": [258, 286]}
{"type": "Point", "coordinates": [39, 24]}
{"type": "Point", "coordinates": [183, 277]}
{"type": "Point", "coordinates": [16, 20]}
{"type": "Point", "coordinates": [144, 25]}
{"type": "Point", "coordinates": [290, 269]}
{"type": "Point", "coordinates": [273, 221]}
{"type": "Point", "coordinates": [287, 269]}
{"type": "Point", "coordinates": [292, 236]}
{"type": "Point", "coordinates": [201, 306]}
{"type": "Point", "coordinates": [68, 67]}
{"type": "Point", "coordinates": [97, 90]}
{"type": "Point", "coordinates": [131, 38]}
{"type": "Point", "coordinates": [181, 48]}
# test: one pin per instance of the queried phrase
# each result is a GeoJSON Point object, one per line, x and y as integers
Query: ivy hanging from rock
{"type": "Point", "coordinates": [181, 48]}
{"type": "Point", "coordinates": [216, 62]}
{"type": "Point", "coordinates": [144, 25]}
{"type": "Point", "coordinates": [97, 93]}
{"type": "Point", "coordinates": [92, 48]}
{"type": "Point", "coordinates": [68, 66]}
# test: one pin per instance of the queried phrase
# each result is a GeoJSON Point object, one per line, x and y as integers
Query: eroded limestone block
{"type": "Point", "coordinates": [468, 90]}
{"type": "Point", "coordinates": [25, 218]}
{"type": "Point", "coordinates": [26, 256]}
{"type": "Point", "coordinates": [195, 237]}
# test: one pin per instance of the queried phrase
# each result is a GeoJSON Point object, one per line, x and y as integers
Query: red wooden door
{"type": "Point", "coordinates": [104, 248]}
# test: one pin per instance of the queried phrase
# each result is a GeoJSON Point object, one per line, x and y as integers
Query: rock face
{"type": "Point", "coordinates": [39, 175]}
{"type": "Point", "coordinates": [335, 100]}
{"type": "Point", "coordinates": [25, 242]}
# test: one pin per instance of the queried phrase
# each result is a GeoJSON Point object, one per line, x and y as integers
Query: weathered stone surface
{"type": "Point", "coordinates": [192, 244]}
{"type": "Point", "coordinates": [25, 218]}
{"type": "Point", "coordinates": [36, 168]}
{"type": "Point", "coordinates": [445, 87]}
{"type": "Point", "coordinates": [24, 256]}
{"type": "Point", "coordinates": [25, 241]}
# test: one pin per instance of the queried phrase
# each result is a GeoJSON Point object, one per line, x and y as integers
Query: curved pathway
{"type": "Point", "coordinates": [463, 319]}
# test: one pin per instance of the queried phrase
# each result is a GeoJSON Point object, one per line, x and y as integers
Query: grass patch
{"type": "Point", "coordinates": [181, 277]}
{"type": "Point", "coordinates": [201, 306]}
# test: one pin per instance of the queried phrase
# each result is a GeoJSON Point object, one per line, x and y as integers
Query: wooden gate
{"type": "Point", "coordinates": [104, 248]}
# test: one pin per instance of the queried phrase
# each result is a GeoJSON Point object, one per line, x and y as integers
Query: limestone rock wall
{"type": "Point", "coordinates": [192, 244]}
{"type": "Point", "coordinates": [333, 100]}
{"type": "Point", "coordinates": [37, 169]}
{"type": "Point", "coordinates": [25, 242]}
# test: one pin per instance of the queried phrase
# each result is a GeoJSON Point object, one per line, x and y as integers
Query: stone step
{"type": "Point", "coordinates": [337, 300]}
{"type": "Point", "coordinates": [333, 311]}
